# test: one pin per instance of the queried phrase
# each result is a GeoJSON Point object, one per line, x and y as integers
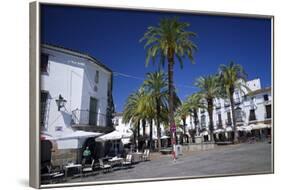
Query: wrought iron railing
{"type": "Point", "coordinates": [85, 117]}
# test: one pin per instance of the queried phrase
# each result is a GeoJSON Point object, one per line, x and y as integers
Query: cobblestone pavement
{"type": "Point", "coordinates": [230, 159]}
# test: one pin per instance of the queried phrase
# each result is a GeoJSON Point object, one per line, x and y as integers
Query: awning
{"type": "Point", "coordinates": [126, 141]}
{"type": "Point", "coordinates": [78, 134]}
{"type": "Point", "coordinates": [204, 133]}
{"type": "Point", "coordinates": [165, 137]}
{"type": "Point", "coordinates": [219, 131]}
{"type": "Point", "coordinates": [114, 135]}
{"type": "Point", "coordinates": [228, 129]}
{"type": "Point", "coordinates": [244, 128]}
{"type": "Point", "coordinates": [258, 126]}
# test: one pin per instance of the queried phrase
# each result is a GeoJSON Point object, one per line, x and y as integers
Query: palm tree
{"type": "Point", "coordinates": [233, 77]}
{"type": "Point", "coordinates": [209, 89]}
{"type": "Point", "coordinates": [182, 113]}
{"type": "Point", "coordinates": [130, 114]}
{"type": "Point", "coordinates": [146, 109]}
{"type": "Point", "coordinates": [168, 40]}
{"type": "Point", "coordinates": [156, 86]}
{"type": "Point", "coordinates": [192, 105]}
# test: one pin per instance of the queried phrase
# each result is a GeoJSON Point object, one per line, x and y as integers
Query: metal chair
{"type": "Point", "coordinates": [104, 167]}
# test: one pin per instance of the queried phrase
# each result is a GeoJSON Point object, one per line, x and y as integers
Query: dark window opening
{"type": "Point", "coordinates": [268, 111]}
{"type": "Point", "coordinates": [265, 97]}
{"type": "Point", "coordinates": [97, 77]}
{"type": "Point", "coordinates": [252, 115]}
{"type": "Point", "coordinates": [43, 104]}
{"type": "Point", "coordinates": [238, 115]}
{"type": "Point", "coordinates": [44, 62]}
{"type": "Point", "coordinates": [203, 121]}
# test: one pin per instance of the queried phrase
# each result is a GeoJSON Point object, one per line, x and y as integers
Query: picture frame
{"type": "Point", "coordinates": [36, 82]}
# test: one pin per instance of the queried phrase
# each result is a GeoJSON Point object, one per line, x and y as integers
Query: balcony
{"type": "Point", "coordinates": [90, 121]}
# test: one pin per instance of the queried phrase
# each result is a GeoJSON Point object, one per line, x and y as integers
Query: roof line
{"type": "Point", "coordinates": [75, 53]}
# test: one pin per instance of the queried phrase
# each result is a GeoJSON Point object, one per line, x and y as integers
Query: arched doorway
{"type": "Point", "coordinates": [90, 142]}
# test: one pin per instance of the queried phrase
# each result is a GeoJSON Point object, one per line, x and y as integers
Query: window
{"type": "Point", "coordinates": [97, 77]}
{"type": "Point", "coordinates": [58, 128]}
{"type": "Point", "coordinates": [265, 97]}
{"type": "Point", "coordinates": [219, 118]}
{"type": "Point", "coordinates": [238, 114]}
{"type": "Point", "coordinates": [44, 62]}
{"type": "Point", "coordinates": [43, 104]}
{"type": "Point", "coordinates": [268, 111]}
{"type": "Point", "coordinates": [203, 121]}
{"type": "Point", "coordinates": [228, 121]}
{"type": "Point", "coordinates": [252, 115]}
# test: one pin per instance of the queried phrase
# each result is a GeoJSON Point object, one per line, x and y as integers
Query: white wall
{"type": "Point", "coordinates": [65, 78]}
{"type": "Point", "coordinates": [73, 78]}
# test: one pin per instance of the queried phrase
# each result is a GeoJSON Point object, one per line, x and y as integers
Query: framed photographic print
{"type": "Point", "coordinates": [134, 94]}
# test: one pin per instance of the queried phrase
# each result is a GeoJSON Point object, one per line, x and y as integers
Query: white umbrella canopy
{"type": "Point", "coordinates": [165, 137]}
{"type": "Point", "coordinates": [114, 135]}
{"type": "Point", "coordinates": [244, 128]}
{"type": "Point", "coordinates": [228, 129]}
{"type": "Point", "coordinates": [258, 126]}
{"type": "Point", "coordinates": [218, 131]}
{"type": "Point", "coordinates": [204, 133]}
{"type": "Point", "coordinates": [79, 134]}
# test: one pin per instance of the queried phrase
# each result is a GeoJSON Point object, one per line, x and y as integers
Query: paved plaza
{"type": "Point", "coordinates": [230, 159]}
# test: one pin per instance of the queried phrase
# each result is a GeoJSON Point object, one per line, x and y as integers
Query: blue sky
{"type": "Point", "coordinates": [112, 36]}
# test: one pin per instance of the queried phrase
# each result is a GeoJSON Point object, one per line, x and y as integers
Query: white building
{"type": "Point", "coordinates": [253, 112]}
{"type": "Point", "coordinates": [83, 88]}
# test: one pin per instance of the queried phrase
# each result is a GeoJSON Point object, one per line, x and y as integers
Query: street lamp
{"type": "Point", "coordinates": [60, 102]}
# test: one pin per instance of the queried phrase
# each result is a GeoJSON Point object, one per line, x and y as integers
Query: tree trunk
{"type": "Point", "coordinates": [150, 135]}
{"type": "Point", "coordinates": [184, 130]}
{"type": "Point", "coordinates": [210, 113]}
{"type": "Point", "coordinates": [196, 122]}
{"type": "Point", "coordinates": [235, 138]}
{"type": "Point", "coordinates": [171, 91]}
{"type": "Point", "coordinates": [143, 127]}
{"type": "Point", "coordinates": [138, 133]}
{"type": "Point", "coordinates": [158, 124]}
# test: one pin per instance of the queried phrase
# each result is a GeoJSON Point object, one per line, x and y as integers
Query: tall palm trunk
{"type": "Point", "coordinates": [171, 91]}
{"type": "Point", "coordinates": [138, 133]}
{"type": "Point", "coordinates": [184, 130]}
{"type": "Point", "coordinates": [150, 134]}
{"type": "Point", "coordinates": [210, 113]}
{"type": "Point", "coordinates": [158, 124]}
{"type": "Point", "coordinates": [143, 127]}
{"type": "Point", "coordinates": [235, 138]}
{"type": "Point", "coordinates": [196, 121]}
